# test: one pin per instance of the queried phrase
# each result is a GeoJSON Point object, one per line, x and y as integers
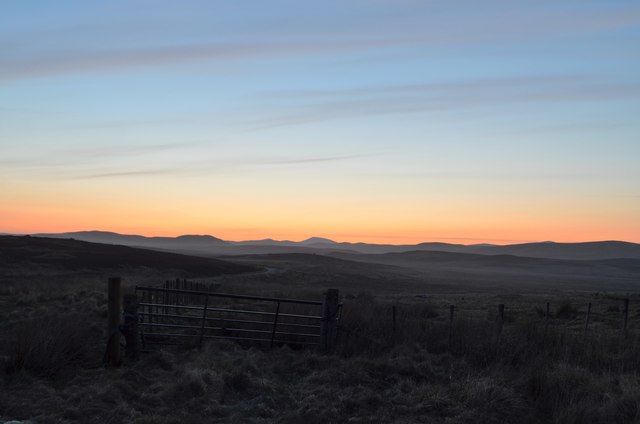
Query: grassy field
{"type": "Point", "coordinates": [537, 369]}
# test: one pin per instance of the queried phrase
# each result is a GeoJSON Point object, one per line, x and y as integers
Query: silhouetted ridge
{"type": "Point", "coordinates": [583, 251]}
{"type": "Point", "coordinates": [317, 240]}
{"type": "Point", "coordinates": [210, 245]}
{"type": "Point", "coordinates": [78, 255]}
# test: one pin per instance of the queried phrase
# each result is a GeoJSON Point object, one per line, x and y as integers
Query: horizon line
{"type": "Point", "coordinates": [435, 240]}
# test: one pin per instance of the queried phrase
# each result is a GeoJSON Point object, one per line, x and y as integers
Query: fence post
{"type": "Point", "coordinates": [204, 320]}
{"type": "Point", "coordinates": [625, 315]}
{"type": "Point", "coordinates": [146, 298]}
{"type": "Point", "coordinates": [165, 300]}
{"type": "Point", "coordinates": [328, 323]}
{"type": "Point", "coordinates": [167, 285]}
{"type": "Point", "coordinates": [586, 322]}
{"type": "Point", "coordinates": [451, 309]}
{"type": "Point", "coordinates": [275, 324]}
{"type": "Point", "coordinates": [113, 322]}
{"type": "Point", "coordinates": [130, 327]}
{"type": "Point", "coordinates": [154, 309]}
{"type": "Point", "coordinates": [167, 295]}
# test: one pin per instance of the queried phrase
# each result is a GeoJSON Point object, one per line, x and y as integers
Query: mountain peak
{"type": "Point", "coordinates": [197, 237]}
{"type": "Point", "coordinates": [315, 240]}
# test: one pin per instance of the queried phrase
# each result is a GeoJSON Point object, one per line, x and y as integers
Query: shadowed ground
{"type": "Point", "coordinates": [53, 322]}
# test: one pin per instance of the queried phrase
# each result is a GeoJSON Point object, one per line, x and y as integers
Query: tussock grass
{"type": "Point", "coordinates": [48, 345]}
{"type": "Point", "coordinates": [368, 328]}
{"type": "Point", "coordinates": [562, 374]}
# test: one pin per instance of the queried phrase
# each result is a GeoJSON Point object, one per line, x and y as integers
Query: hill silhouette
{"type": "Point", "coordinates": [582, 251]}
{"type": "Point", "coordinates": [70, 255]}
{"type": "Point", "coordinates": [206, 244]}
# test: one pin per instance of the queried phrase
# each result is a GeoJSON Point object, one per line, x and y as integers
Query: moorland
{"type": "Point", "coordinates": [541, 369]}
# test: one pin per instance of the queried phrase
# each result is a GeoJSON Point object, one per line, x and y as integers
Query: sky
{"type": "Point", "coordinates": [389, 121]}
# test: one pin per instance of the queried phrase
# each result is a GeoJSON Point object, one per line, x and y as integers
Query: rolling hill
{"type": "Point", "coordinates": [407, 272]}
{"type": "Point", "coordinates": [74, 255]}
{"type": "Point", "coordinates": [209, 245]}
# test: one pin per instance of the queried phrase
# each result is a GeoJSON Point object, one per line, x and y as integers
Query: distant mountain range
{"type": "Point", "coordinates": [209, 245]}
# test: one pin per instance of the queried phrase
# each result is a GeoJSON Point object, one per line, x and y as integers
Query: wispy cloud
{"type": "Point", "coordinates": [89, 156]}
{"type": "Point", "coordinates": [128, 150]}
{"type": "Point", "coordinates": [307, 160]}
{"type": "Point", "coordinates": [79, 49]}
{"type": "Point", "coordinates": [198, 167]}
{"type": "Point", "coordinates": [132, 123]}
{"type": "Point", "coordinates": [322, 105]}
{"type": "Point", "coordinates": [142, 173]}
{"type": "Point", "coordinates": [592, 126]}
{"type": "Point", "coordinates": [525, 173]}
{"type": "Point", "coordinates": [63, 62]}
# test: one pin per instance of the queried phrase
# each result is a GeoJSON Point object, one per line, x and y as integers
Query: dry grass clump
{"type": "Point", "coordinates": [48, 345]}
{"type": "Point", "coordinates": [488, 398]}
{"type": "Point", "coordinates": [367, 325]}
{"type": "Point", "coordinates": [570, 394]}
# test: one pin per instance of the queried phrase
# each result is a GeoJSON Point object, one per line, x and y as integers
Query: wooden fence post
{"type": "Point", "coordinates": [451, 310]}
{"type": "Point", "coordinates": [275, 325]}
{"type": "Point", "coordinates": [114, 356]}
{"type": "Point", "coordinates": [176, 296]}
{"type": "Point", "coordinates": [167, 285]}
{"type": "Point", "coordinates": [328, 323]}
{"type": "Point", "coordinates": [130, 327]}
{"type": "Point", "coordinates": [204, 321]}
{"type": "Point", "coordinates": [165, 300]}
{"type": "Point", "coordinates": [154, 309]}
{"type": "Point", "coordinates": [146, 298]}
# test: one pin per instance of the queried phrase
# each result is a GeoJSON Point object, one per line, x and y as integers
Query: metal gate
{"type": "Point", "coordinates": [168, 316]}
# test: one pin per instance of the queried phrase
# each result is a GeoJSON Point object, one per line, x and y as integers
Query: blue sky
{"type": "Point", "coordinates": [522, 113]}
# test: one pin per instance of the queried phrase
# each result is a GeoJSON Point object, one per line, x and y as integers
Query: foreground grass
{"type": "Point", "coordinates": [532, 372]}
{"type": "Point", "coordinates": [225, 383]}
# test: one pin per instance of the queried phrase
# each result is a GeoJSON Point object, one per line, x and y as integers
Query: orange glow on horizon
{"type": "Point", "coordinates": [239, 234]}
{"type": "Point", "coordinates": [384, 219]}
